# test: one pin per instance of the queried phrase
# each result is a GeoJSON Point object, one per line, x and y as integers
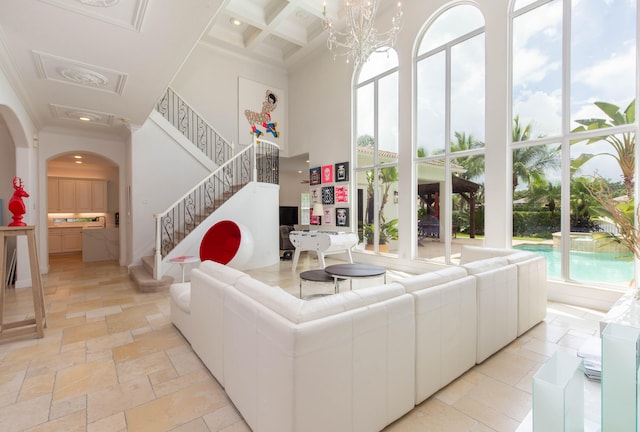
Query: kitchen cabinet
{"type": "Point", "coordinates": [83, 196]}
{"type": "Point", "coordinates": [55, 241]}
{"type": "Point", "coordinates": [66, 195]}
{"type": "Point", "coordinates": [99, 195]}
{"type": "Point", "coordinates": [76, 195]}
{"type": "Point", "coordinates": [52, 195]}
{"type": "Point", "coordinates": [65, 240]}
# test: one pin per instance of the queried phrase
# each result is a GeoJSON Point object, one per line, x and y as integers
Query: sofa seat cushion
{"type": "Point", "coordinates": [301, 311]}
{"type": "Point", "coordinates": [181, 295]}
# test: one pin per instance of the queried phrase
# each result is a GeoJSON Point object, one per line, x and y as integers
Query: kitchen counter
{"type": "Point", "coordinates": [100, 244]}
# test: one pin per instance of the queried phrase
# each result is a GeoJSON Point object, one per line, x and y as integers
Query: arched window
{"type": "Point", "coordinates": [376, 151]}
{"type": "Point", "coordinates": [449, 132]}
{"type": "Point", "coordinates": [573, 127]}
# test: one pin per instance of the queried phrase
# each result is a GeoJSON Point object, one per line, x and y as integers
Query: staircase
{"type": "Point", "coordinates": [142, 275]}
{"type": "Point", "coordinates": [257, 162]}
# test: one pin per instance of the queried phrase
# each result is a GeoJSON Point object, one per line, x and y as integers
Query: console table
{"type": "Point", "coordinates": [31, 325]}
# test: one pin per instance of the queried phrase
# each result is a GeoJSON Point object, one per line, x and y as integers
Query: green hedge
{"type": "Point", "coordinates": [535, 223]}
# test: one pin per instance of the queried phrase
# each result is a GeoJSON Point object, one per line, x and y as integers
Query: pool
{"type": "Point", "coordinates": [602, 267]}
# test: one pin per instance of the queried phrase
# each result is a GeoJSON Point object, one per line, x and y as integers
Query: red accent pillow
{"type": "Point", "coordinates": [221, 242]}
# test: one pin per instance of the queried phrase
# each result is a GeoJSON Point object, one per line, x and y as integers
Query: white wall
{"type": "Point", "coordinates": [208, 82]}
{"type": "Point", "coordinates": [161, 173]}
{"type": "Point", "coordinates": [7, 170]}
{"type": "Point", "coordinates": [291, 188]}
{"type": "Point", "coordinates": [22, 162]}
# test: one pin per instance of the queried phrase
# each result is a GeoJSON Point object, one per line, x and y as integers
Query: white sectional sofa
{"type": "Point", "coordinates": [354, 361]}
{"type": "Point", "coordinates": [531, 282]}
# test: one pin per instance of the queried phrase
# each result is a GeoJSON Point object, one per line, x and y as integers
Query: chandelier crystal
{"type": "Point", "coordinates": [360, 38]}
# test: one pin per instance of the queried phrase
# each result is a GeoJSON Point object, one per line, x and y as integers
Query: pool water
{"type": "Point", "coordinates": [602, 267]}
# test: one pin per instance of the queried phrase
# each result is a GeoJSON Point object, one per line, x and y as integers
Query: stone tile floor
{"type": "Point", "coordinates": [112, 361]}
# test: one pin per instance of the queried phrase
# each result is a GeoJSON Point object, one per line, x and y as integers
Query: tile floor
{"type": "Point", "coordinates": [112, 361]}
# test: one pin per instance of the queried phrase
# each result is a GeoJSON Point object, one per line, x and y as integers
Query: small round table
{"type": "Point", "coordinates": [318, 275]}
{"type": "Point", "coordinates": [350, 271]}
{"type": "Point", "coordinates": [183, 261]}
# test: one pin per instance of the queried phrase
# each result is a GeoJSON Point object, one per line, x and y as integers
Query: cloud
{"type": "Point", "coordinates": [611, 79]}
{"type": "Point", "coordinates": [542, 109]}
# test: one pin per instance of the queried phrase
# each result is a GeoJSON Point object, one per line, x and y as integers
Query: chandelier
{"type": "Point", "coordinates": [360, 38]}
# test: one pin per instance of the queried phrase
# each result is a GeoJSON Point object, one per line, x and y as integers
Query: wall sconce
{"type": "Point", "coordinates": [395, 197]}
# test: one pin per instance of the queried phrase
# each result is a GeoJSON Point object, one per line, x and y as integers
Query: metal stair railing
{"type": "Point", "coordinates": [184, 118]}
{"type": "Point", "coordinates": [257, 162]}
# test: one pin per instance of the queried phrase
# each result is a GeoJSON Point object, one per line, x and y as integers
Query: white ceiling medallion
{"type": "Point", "coordinates": [101, 3]}
{"type": "Point", "coordinates": [129, 14]}
{"type": "Point", "coordinates": [69, 71]}
{"type": "Point", "coordinates": [81, 115]}
{"type": "Point", "coordinates": [84, 77]}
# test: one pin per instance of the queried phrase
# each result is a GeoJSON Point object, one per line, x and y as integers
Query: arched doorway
{"type": "Point", "coordinates": [82, 191]}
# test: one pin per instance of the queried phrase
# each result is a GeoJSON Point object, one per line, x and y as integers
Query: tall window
{"type": "Point", "coordinates": [449, 159]}
{"type": "Point", "coordinates": [376, 152]}
{"type": "Point", "coordinates": [573, 133]}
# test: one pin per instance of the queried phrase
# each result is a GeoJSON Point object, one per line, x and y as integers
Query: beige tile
{"type": "Point", "coordinates": [84, 379]}
{"type": "Point", "coordinates": [130, 318]}
{"type": "Point", "coordinates": [68, 406]}
{"type": "Point", "coordinates": [37, 385]}
{"type": "Point", "coordinates": [148, 343]}
{"type": "Point", "coordinates": [114, 423]}
{"type": "Point", "coordinates": [75, 422]}
{"type": "Point", "coordinates": [197, 425]}
{"type": "Point", "coordinates": [486, 414]}
{"type": "Point", "coordinates": [433, 416]}
{"type": "Point", "coordinates": [184, 359]}
{"type": "Point", "coordinates": [26, 414]}
{"type": "Point", "coordinates": [84, 332]}
{"type": "Point", "coordinates": [222, 418]}
{"type": "Point", "coordinates": [502, 398]}
{"type": "Point", "coordinates": [118, 398]}
{"type": "Point", "coordinates": [167, 412]}
{"type": "Point", "coordinates": [182, 381]}
{"type": "Point", "coordinates": [506, 366]}
{"type": "Point", "coordinates": [142, 366]}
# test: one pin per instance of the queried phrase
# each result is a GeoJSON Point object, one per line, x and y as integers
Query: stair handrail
{"type": "Point", "coordinates": [193, 126]}
{"type": "Point", "coordinates": [270, 174]}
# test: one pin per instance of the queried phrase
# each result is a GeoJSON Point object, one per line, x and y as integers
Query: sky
{"type": "Point", "coordinates": [602, 66]}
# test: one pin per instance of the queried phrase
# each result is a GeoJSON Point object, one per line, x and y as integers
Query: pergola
{"type": "Point", "coordinates": [465, 188]}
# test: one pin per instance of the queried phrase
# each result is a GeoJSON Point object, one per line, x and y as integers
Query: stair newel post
{"type": "Point", "coordinates": [157, 273]}
{"type": "Point", "coordinates": [254, 157]}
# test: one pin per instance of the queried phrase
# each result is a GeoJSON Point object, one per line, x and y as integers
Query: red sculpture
{"type": "Point", "coordinates": [16, 205]}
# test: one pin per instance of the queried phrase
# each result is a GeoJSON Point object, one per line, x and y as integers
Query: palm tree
{"type": "Point", "coordinates": [623, 144]}
{"type": "Point", "coordinates": [473, 165]}
{"type": "Point", "coordinates": [530, 164]}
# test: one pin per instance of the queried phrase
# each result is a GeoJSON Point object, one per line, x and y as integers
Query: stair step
{"type": "Point", "coordinates": [146, 283]}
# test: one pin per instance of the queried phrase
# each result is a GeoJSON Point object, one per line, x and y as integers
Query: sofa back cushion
{"type": "Point", "coordinates": [485, 265]}
{"type": "Point", "coordinates": [221, 272]}
{"type": "Point", "coordinates": [476, 253]}
{"type": "Point", "coordinates": [431, 279]}
{"type": "Point", "coordinates": [300, 311]}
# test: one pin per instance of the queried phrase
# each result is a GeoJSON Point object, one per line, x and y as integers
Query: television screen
{"type": "Point", "coordinates": [288, 215]}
